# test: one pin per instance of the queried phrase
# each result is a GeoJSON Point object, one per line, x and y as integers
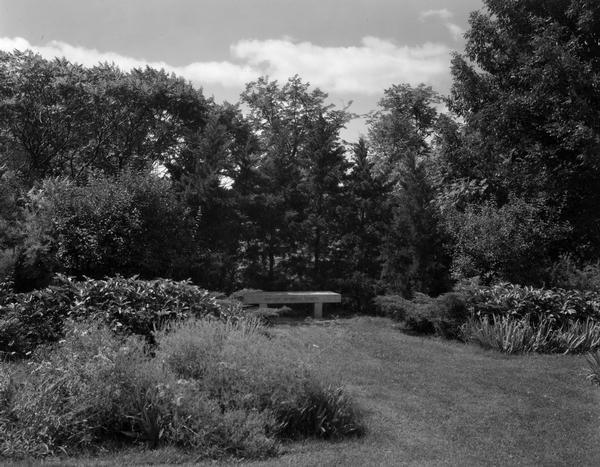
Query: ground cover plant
{"type": "Point", "coordinates": [212, 388]}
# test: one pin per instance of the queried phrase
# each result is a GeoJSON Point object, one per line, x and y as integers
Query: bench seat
{"type": "Point", "coordinates": [263, 299]}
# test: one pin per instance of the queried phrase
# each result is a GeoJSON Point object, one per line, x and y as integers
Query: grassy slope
{"type": "Point", "coordinates": [434, 402]}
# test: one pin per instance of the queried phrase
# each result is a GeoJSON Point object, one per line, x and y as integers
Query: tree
{"type": "Point", "coordinates": [61, 119]}
{"type": "Point", "coordinates": [298, 137]}
{"type": "Point", "coordinates": [324, 168]}
{"type": "Point", "coordinates": [415, 258]}
{"type": "Point", "coordinates": [527, 89]}
{"type": "Point", "coordinates": [365, 218]}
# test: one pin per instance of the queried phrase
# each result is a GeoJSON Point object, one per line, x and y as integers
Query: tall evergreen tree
{"type": "Point", "coordinates": [400, 133]}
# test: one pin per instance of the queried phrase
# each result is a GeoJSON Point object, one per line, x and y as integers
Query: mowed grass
{"type": "Point", "coordinates": [433, 402]}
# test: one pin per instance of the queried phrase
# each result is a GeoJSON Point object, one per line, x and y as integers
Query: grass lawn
{"type": "Point", "coordinates": [434, 402]}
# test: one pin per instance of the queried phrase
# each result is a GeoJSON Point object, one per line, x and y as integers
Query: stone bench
{"type": "Point", "coordinates": [263, 299]}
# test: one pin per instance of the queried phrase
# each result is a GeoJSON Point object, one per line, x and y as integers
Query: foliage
{"type": "Point", "coordinates": [556, 306]}
{"type": "Point", "coordinates": [364, 222]}
{"type": "Point", "coordinates": [62, 119]}
{"type": "Point", "coordinates": [510, 243]}
{"type": "Point", "coordinates": [94, 389]}
{"type": "Point", "coordinates": [565, 273]}
{"type": "Point", "coordinates": [246, 370]}
{"type": "Point", "coordinates": [443, 315]}
{"type": "Point", "coordinates": [292, 213]}
{"type": "Point", "coordinates": [511, 334]}
{"type": "Point", "coordinates": [127, 306]}
{"type": "Point", "coordinates": [10, 231]}
{"type": "Point", "coordinates": [593, 360]}
{"type": "Point", "coordinates": [131, 224]}
{"type": "Point", "coordinates": [413, 252]}
{"type": "Point", "coordinates": [32, 319]}
{"type": "Point", "coordinates": [526, 89]}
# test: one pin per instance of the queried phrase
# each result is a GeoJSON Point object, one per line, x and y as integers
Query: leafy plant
{"type": "Point", "coordinates": [593, 360]}
{"type": "Point", "coordinates": [241, 367]}
{"type": "Point", "coordinates": [557, 305]}
{"type": "Point", "coordinates": [426, 315]}
{"type": "Point", "coordinates": [128, 306]}
{"type": "Point", "coordinates": [518, 335]}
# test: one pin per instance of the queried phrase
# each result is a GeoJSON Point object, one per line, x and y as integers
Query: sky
{"type": "Point", "coordinates": [351, 49]}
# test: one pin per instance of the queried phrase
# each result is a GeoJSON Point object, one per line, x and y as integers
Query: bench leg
{"type": "Point", "coordinates": [318, 311]}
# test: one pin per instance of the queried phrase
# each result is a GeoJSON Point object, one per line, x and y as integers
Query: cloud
{"type": "Point", "coordinates": [225, 73]}
{"type": "Point", "coordinates": [456, 31]}
{"type": "Point", "coordinates": [365, 69]}
{"type": "Point", "coordinates": [443, 14]}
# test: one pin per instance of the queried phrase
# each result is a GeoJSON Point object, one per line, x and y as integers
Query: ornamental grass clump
{"type": "Point", "coordinates": [518, 335]}
{"type": "Point", "coordinates": [593, 360]}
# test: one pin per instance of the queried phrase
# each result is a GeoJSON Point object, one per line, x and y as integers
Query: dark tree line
{"type": "Point", "coordinates": [107, 172]}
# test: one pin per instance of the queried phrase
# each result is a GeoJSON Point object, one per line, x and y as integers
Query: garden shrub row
{"type": "Point", "coordinates": [126, 305]}
{"type": "Point", "coordinates": [506, 317]}
{"type": "Point", "coordinates": [559, 306]}
{"type": "Point", "coordinates": [214, 387]}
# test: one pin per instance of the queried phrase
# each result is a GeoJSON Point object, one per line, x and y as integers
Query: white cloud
{"type": "Point", "coordinates": [443, 14]}
{"type": "Point", "coordinates": [364, 69]}
{"type": "Point", "coordinates": [225, 73]}
{"type": "Point", "coordinates": [456, 31]}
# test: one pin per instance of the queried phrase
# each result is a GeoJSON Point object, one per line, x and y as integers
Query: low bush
{"type": "Point", "coordinates": [392, 306]}
{"type": "Point", "coordinates": [443, 315]}
{"type": "Point", "coordinates": [95, 388]}
{"type": "Point", "coordinates": [559, 306]}
{"type": "Point", "coordinates": [215, 388]}
{"type": "Point", "coordinates": [135, 306]}
{"type": "Point", "coordinates": [128, 306]}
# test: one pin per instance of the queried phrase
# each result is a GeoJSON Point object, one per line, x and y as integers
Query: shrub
{"type": "Point", "coordinates": [567, 274]}
{"type": "Point", "coordinates": [95, 388]}
{"type": "Point", "coordinates": [130, 224]}
{"type": "Point", "coordinates": [392, 306]}
{"type": "Point", "coordinates": [509, 242]}
{"type": "Point", "coordinates": [241, 367]}
{"type": "Point", "coordinates": [32, 319]}
{"type": "Point", "coordinates": [559, 306]}
{"type": "Point", "coordinates": [214, 388]}
{"type": "Point", "coordinates": [134, 306]}
{"type": "Point", "coordinates": [449, 312]}
{"type": "Point", "coordinates": [128, 306]}
{"type": "Point", "coordinates": [426, 315]}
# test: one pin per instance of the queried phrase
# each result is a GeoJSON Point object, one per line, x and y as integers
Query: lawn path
{"type": "Point", "coordinates": [434, 402]}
